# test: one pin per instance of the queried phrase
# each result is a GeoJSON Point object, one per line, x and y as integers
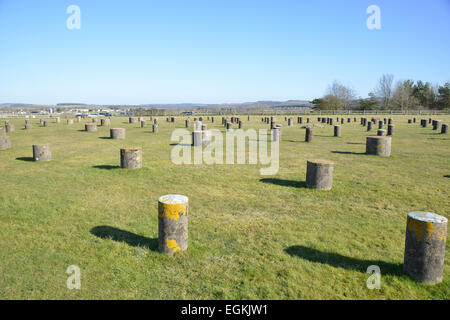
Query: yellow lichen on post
{"type": "Point", "coordinates": [172, 244]}
{"type": "Point", "coordinates": [172, 210]}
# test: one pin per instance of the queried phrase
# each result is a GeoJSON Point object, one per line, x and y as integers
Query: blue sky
{"type": "Point", "coordinates": [136, 52]}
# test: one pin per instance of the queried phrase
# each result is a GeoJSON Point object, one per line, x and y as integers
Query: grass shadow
{"type": "Point", "coordinates": [348, 152]}
{"type": "Point", "coordinates": [284, 183]}
{"type": "Point", "coordinates": [355, 143]}
{"type": "Point", "coordinates": [339, 261]}
{"type": "Point", "coordinates": [106, 167]}
{"type": "Point", "coordinates": [105, 138]}
{"type": "Point", "coordinates": [447, 176]}
{"type": "Point", "coordinates": [119, 235]}
{"type": "Point", "coordinates": [29, 159]}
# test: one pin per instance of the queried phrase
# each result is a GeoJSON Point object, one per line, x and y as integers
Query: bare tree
{"type": "Point", "coordinates": [344, 94]}
{"type": "Point", "coordinates": [403, 97]}
{"type": "Point", "coordinates": [384, 90]}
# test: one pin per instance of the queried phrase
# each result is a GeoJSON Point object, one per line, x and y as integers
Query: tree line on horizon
{"type": "Point", "coordinates": [403, 95]}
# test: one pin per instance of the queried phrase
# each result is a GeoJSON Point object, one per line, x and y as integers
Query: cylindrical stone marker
{"type": "Point", "coordinates": [337, 131]}
{"type": "Point", "coordinates": [132, 120]}
{"type": "Point", "coordinates": [5, 142]}
{"type": "Point", "coordinates": [105, 122]}
{"type": "Point", "coordinates": [172, 224]}
{"type": "Point", "coordinates": [69, 121]}
{"type": "Point", "coordinates": [380, 124]}
{"type": "Point", "coordinates": [28, 125]}
{"type": "Point", "coordinates": [275, 134]}
{"type": "Point", "coordinates": [94, 120]}
{"type": "Point", "coordinates": [319, 174]}
{"type": "Point", "coordinates": [58, 120]}
{"type": "Point", "coordinates": [229, 126]}
{"type": "Point", "coordinates": [289, 122]}
{"type": "Point", "coordinates": [90, 127]}
{"type": "Point", "coordinates": [143, 123]}
{"type": "Point", "coordinates": [9, 127]}
{"type": "Point", "coordinates": [444, 129]}
{"type": "Point", "coordinates": [378, 145]}
{"type": "Point", "coordinates": [390, 131]}
{"type": "Point", "coordinates": [117, 133]}
{"type": "Point", "coordinates": [369, 125]}
{"type": "Point", "coordinates": [381, 132]}
{"type": "Point", "coordinates": [424, 123]}
{"type": "Point", "coordinates": [155, 128]}
{"type": "Point", "coordinates": [425, 239]}
{"type": "Point", "coordinates": [187, 123]}
{"type": "Point", "coordinates": [131, 158]}
{"type": "Point", "coordinates": [197, 138]}
{"type": "Point", "coordinates": [46, 123]}
{"type": "Point", "coordinates": [309, 134]}
{"type": "Point", "coordinates": [437, 125]}
{"type": "Point", "coordinates": [42, 152]}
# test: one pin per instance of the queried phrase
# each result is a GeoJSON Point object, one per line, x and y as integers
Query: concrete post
{"type": "Point", "coordinates": [172, 224]}
{"type": "Point", "coordinates": [319, 174]}
{"type": "Point", "coordinates": [425, 239]}
{"type": "Point", "coordinates": [131, 158]}
{"type": "Point", "coordinates": [42, 152]}
{"type": "Point", "coordinates": [378, 145]}
{"type": "Point", "coordinates": [117, 133]}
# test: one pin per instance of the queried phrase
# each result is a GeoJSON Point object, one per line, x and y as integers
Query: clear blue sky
{"type": "Point", "coordinates": [135, 52]}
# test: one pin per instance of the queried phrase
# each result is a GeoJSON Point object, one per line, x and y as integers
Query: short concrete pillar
{"type": "Point", "coordinates": [240, 124]}
{"type": "Point", "coordinates": [204, 127]}
{"type": "Point", "coordinates": [172, 224]}
{"type": "Point", "coordinates": [58, 120]}
{"type": "Point", "coordinates": [197, 125]}
{"type": "Point", "coordinates": [424, 123]}
{"type": "Point", "coordinates": [117, 133]}
{"type": "Point", "coordinates": [69, 121]}
{"type": "Point", "coordinates": [197, 138]}
{"type": "Point", "coordinates": [46, 123]}
{"type": "Point", "coordinates": [425, 238]}
{"type": "Point", "coordinates": [289, 122]}
{"type": "Point", "coordinates": [212, 119]}
{"type": "Point", "coordinates": [143, 123]}
{"type": "Point", "coordinates": [132, 120]}
{"type": "Point", "coordinates": [131, 158]}
{"type": "Point", "coordinates": [91, 127]}
{"type": "Point", "coordinates": [78, 119]}
{"type": "Point", "coordinates": [105, 122]}
{"type": "Point", "coordinates": [155, 121]}
{"type": "Point", "coordinates": [381, 132]}
{"type": "Point", "coordinates": [42, 152]}
{"type": "Point", "coordinates": [155, 128]}
{"type": "Point", "coordinates": [309, 134]}
{"type": "Point", "coordinates": [319, 174]}
{"type": "Point", "coordinates": [94, 120]}
{"type": "Point", "coordinates": [390, 121]}
{"type": "Point", "coordinates": [380, 124]}
{"type": "Point", "coordinates": [409, 120]}
{"type": "Point", "coordinates": [229, 126]}
{"type": "Point", "coordinates": [378, 145]}
{"type": "Point", "coordinates": [369, 125]}
{"type": "Point", "coordinates": [9, 127]}
{"type": "Point", "coordinates": [337, 131]}
{"type": "Point", "coordinates": [444, 129]}
{"type": "Point", "coordinates": [437, 124]}
{"type": "Point", "coordinates": [5, 142]}
{"type": "Point", "coordinates": [28, 125]}
{"type": "Point", "coordinates": [187, 123]}
{"type": "Point", "coordinates": [276, 134]}
{"type": "Point", "coordinates": [390, 131]}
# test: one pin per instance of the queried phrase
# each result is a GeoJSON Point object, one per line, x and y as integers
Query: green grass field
{"type": "Point", "coordinates": [250, 236]}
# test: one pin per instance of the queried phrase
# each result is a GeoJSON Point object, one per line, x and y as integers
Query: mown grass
{"type": "Point", "coordinates": [250, 236]}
